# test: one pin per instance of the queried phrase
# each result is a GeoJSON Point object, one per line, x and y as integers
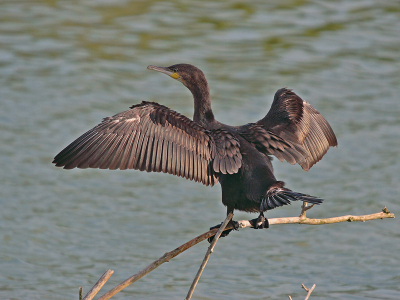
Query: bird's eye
{"type": "Point", "coordinates": [174, 70]}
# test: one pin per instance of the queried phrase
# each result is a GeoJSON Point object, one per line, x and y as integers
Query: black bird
{"type": "Point", "coordinates": [151, 137]}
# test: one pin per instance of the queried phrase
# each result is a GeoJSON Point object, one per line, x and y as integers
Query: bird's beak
{"type": "Point", "coordinates": [164, 70]}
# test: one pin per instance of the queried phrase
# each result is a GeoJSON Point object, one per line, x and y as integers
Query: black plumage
{"type": "Point", "coordinates": [151, 137]}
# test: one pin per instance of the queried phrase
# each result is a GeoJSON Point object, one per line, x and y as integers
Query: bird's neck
{"type": "Point", "coordinates": [202, 105]}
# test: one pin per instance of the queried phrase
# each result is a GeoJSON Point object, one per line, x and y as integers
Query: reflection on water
{"type": "Point", "coordinates": [64, 65]}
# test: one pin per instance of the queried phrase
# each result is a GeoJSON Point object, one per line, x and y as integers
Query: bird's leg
{"type": "Point", "coordinates": [232, 223]}
{"type": "Point", "coordinates": [261, 222]}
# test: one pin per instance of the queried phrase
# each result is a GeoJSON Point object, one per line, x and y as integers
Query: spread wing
{"type": "Point", "coordinates": [148, 137]}
{"type": "Point", "coordinates": [300, 129]}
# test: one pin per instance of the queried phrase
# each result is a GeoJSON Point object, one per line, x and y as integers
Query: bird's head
{"type": "Point", "coordinates": [192, 77]}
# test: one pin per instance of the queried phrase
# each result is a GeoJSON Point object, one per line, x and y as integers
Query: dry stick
{"type": "Point", "coordinates": [242, 224]}
{"type": "Point", "coordinates": [308, 290]}
{"type": "Point", "coordinates": [208, 253]}
{"type": "Point", "coordinates": [99, 284]}
{"type": "Point", "coordinates": [304, 209]}
{"type": "Point", "coordinates": [349, 218]}
{"type": "Point", "coordinates": [303, 220]}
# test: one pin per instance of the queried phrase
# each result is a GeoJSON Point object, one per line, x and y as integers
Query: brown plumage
{"type": "Point", "coordinates": [151, 137]}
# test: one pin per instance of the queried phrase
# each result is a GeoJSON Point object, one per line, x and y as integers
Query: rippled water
{"type": "Point", "coordinates": [64, 65]}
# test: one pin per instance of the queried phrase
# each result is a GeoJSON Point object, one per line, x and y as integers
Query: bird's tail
{"type": "Point", "coordinates": [281, 196]}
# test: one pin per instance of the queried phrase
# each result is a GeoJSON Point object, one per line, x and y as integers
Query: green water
{"type": "Point", "coordinates": [64, 65]}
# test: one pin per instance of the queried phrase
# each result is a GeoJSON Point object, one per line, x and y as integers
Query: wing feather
{"type": "Point", "coordinates": [108, 154]}
{"type": "Point", "coordinates": [271, 144]}
{"type": "Point", "coordinates": [147, 137]}
{"type": "Point", "coordinates": [79, 148]}
{"type": "Point", "coordinates": [226, 152]}
{"type": "Point", "coordinates": [83, 154]}
{"type": "Point", "coordinates": [118, 153]}
{"type": "Point", "coordinates": [295, 125]}
{"type": "Point", "coordinates": [135, 150]}
{"type": "Point", "coordinates": [98, 152]}
{"type": "Point", "coordinates": [128, 151]}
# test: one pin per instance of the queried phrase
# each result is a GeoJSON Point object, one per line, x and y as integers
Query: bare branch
{"type": "Point", "coordinates": [308, 290]}
{"type": "Point", "coordinates": [99, 284]}
{"type": "Point", "coordinates": [209, 251]}
{"type": "Point", "coordinates": [304, 208]}
{"type": "Point", "coordinates": [165, 258]}
{"type": "Point", "coordinates": [298, 220]}
{"type": "Point", "coordinates": [242, 224]}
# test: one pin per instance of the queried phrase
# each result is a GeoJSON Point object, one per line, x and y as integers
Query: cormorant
{"type": "Point", "coordinates": [151, 137]}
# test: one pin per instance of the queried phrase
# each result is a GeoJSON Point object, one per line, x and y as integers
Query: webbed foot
{"type": "Point", "coordinates": [224, 233]}
{"type": "Point", "coordinates": [261, 222]}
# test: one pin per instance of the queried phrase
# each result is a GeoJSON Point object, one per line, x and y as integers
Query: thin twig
{"type": "Point", "coordinates": [308, 290]}
{"type": "Point", "coordinates": [207, 256]}
{"type": "Point", "coordinates": [304, 209]}
{"type": "Point", "coordinates": [80, 293]}
{"type": "Point", "coordinates": [242, 224]}
{"type": "Point", "coordinates": [99, 284]}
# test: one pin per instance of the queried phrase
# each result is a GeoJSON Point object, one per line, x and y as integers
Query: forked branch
{"type": "Point", "coordinates": [309, 291]}
{"type": "Point", "coordinates": [242, 224]}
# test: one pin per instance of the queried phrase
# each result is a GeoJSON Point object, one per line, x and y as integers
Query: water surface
{"type": "Point", "coordinates": [64, 65]}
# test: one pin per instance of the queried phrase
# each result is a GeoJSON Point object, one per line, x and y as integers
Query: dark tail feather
{"type": "Point", "coordinates": [279, 197]}
{"type": "Point", "coordinates": [303, 197]}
